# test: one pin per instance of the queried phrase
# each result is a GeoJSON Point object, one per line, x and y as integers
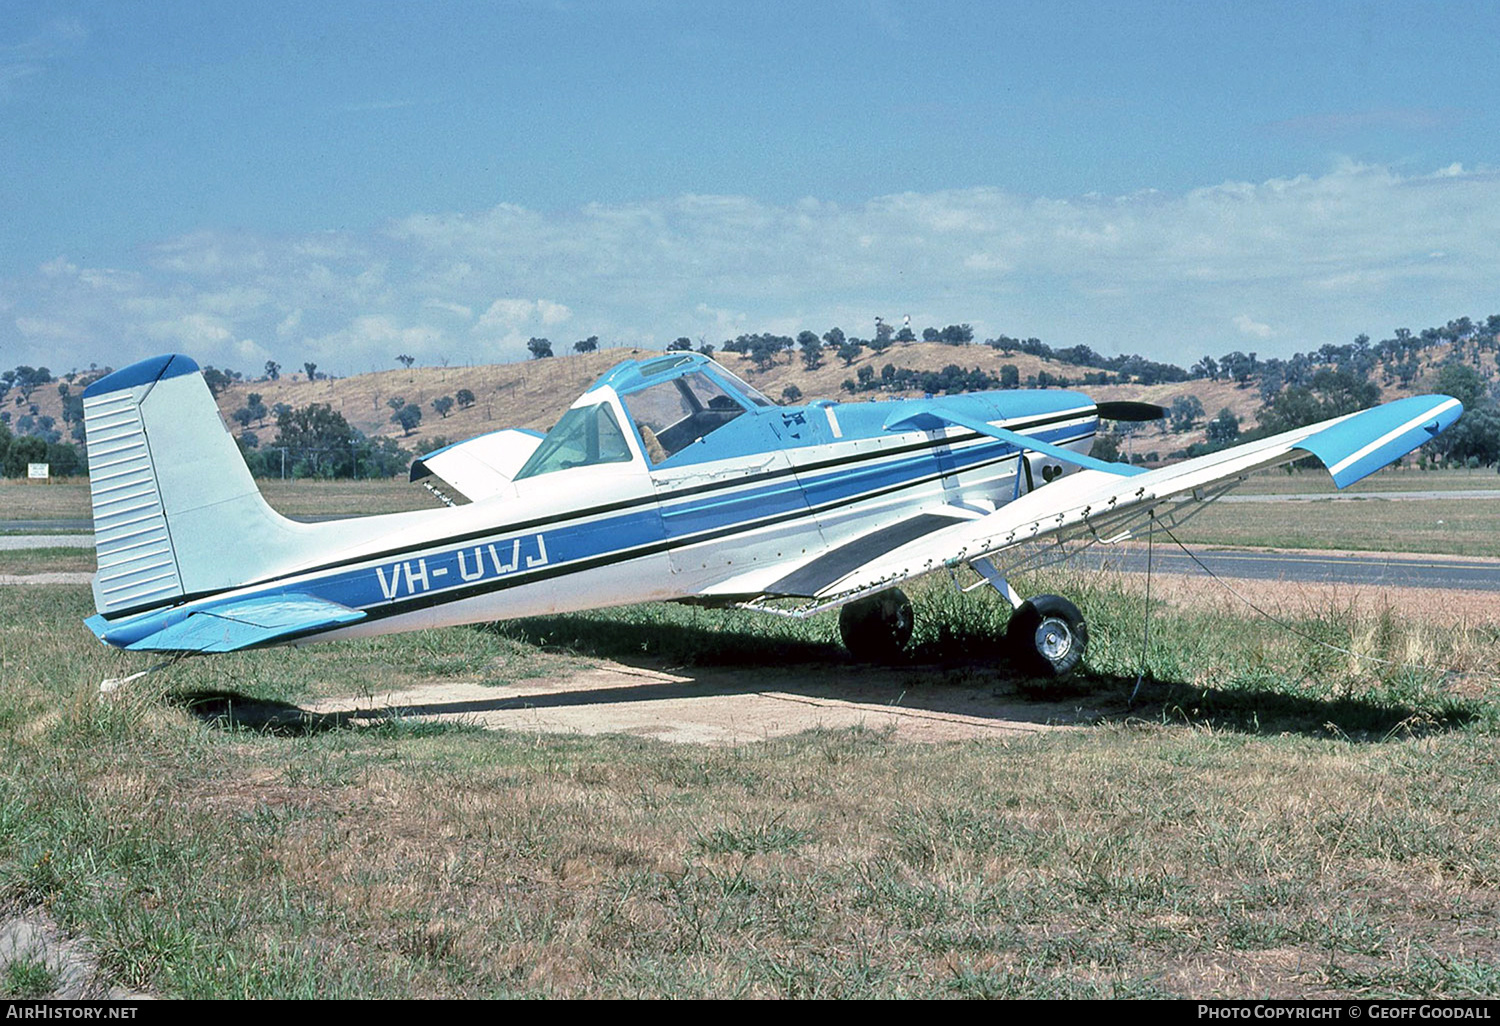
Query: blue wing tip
{"type": "Point", "coordinates": [1356, 447]}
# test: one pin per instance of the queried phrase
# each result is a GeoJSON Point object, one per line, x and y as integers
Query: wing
{"type": "Point", "coordinates": [1103, 502]}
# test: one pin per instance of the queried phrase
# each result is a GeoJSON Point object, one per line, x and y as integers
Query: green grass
{"type": "Point", "coordinates": [69, 500]}
{"type": "Point", "coordinates": [1454, 527]}
{"type": "Point", "coordinates": [1273, 818]}
{"type": "Point", "coordinates": [27, 977]}
{"type": "Point", "coordinates": [1315, 481]}
{"type": "Point", "coordinates": [43, 561]}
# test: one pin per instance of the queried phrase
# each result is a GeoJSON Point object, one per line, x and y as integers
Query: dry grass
{"type": "Point", "coordinates": [1390, 479]}
{"type": "Point", "coordinates": [1454, 527]}
{"type": "Point", "coordinates": [70, 500]}
{"type": "Point", "coordinates": [61, 500]}
{"type": "Point", "coordinates": [1274, 820]}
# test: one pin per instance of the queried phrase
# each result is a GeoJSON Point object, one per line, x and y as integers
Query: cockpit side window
{"type": "Point", "coordinates": [586, 435]}
{"type": "Point", "coordinates": [671, 415]}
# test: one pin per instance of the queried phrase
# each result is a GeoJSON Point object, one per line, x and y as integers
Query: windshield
{"type": "Point", "coordinates": [674, 414]}
{"type": "Point", "coordinates": [585, 436]}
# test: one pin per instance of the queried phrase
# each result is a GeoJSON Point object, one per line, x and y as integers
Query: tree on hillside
{"type": "Point", "coordinates": [1224, 429]}
{"type": "Point", "coordinates": [406, 360]}
{"type": "Point", "coordinates": [442, 404]}
{"type": "Point", "coordinates": [586, 345]}
{"type": "Point", "coordinates": [1187, 410]}
{"type": "Point", "coordinates": [408, 416]}
{"type": "Point", "coordinates": [255, 403]}
{"type": "Point", "coordinates": [273, 370]}
{"type": "Point", "coordinates": [465, 398]}
{"type": "Point", "coordinates": [681, 344]}
{"type": "Point", "coordinates": [1332, 394]}
{"type": "Point", "coordinates": [312, 370]}
{"type": "Point", "coordinates": [812, 350]}
{"type": "Point", "coordinates": [764, 348]}
{"type": "Point", "coordinates": [1238, 366]}
{"type": "Point", "coordinates": [27, 380]}
{"type": "Point", "coordinates": [540, 348]}
{"type": "Point", "coordinates": [218, 380]}
{"type": "Point", "coordinates": [1463, 383]}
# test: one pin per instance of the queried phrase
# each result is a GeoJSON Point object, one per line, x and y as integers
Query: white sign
{"type": "Point", "coordinates": [38, 471]}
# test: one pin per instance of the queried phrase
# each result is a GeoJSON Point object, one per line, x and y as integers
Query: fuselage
{"type": "Point", "coordinates": [765, 492]}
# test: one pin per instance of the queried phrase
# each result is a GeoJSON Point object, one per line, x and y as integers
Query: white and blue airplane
{"type": "Point", "coordinates": [669, 479]}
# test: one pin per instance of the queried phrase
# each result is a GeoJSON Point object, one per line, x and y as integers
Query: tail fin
{"type": "Point", "coordinates": [176, 512]}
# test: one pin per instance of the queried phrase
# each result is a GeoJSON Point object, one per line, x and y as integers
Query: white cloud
{"type": "Point", "coordinates": [456, 309]}
{"type": "Point", "coordinates": [251, 353]}
{"type": "Point", "coordinates": [193, 332]}
{"type": "Point", "coordinates": [1168, 276]}
{"type": "Point", "coordinates": [44, 329]}
{"type": "Point", "coordinates": [505, 315]}
{"type": "Point", "coordinates": [552, 313]}
{"type": "Point", "coordinates": [508, 315]}
{"type": "Point", "coordinates": [1253, 328]}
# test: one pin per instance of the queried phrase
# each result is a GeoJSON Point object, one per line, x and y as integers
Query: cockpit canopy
{"type": "Point", "coordinates": [586, 435]}
{"type": "Point", "coordinates": [673, 401]}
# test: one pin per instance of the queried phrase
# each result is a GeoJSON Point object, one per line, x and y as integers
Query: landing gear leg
{"type": "Point", "coordinates": [1046, 635]}
{"type": "Point", "coordinates": [877, 629]}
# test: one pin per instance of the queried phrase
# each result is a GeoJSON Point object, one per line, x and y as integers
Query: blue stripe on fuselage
{"type": "Point", "coordinates": [487, 564]}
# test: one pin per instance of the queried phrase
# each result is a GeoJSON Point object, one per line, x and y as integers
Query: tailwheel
{"type": "Point", "coordinates": [1046, 636]}
{"type": "Point", "coordinates": [876, 629]}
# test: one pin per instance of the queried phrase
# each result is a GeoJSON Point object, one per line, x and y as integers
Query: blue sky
{"type": "Point", "coordinates": [345, 181]}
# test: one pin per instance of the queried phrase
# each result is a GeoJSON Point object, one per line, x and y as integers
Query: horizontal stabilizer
{"type": "Point", "coordinates": [480, 467]}
{"type": "Point", "coordinates": [236, 625]}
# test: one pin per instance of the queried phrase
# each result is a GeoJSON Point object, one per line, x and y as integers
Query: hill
{"type": "Point", "coordinates": [534, 393]}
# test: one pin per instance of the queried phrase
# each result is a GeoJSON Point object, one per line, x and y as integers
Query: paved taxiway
{"type": "Point", "coordinates": [1391, 570]}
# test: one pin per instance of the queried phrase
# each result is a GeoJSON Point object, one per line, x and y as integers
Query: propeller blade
{"type": "Point", "coordinates": [1131, 411]}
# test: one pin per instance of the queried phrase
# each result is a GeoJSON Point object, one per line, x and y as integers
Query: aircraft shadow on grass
{"type": "Point", "coordinates": [965, 676]}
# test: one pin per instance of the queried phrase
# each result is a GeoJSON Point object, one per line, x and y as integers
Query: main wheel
{"type": "Point", "coordinates": [876, 629]}
{"type": "Point", "coordinates": [1046, 636]}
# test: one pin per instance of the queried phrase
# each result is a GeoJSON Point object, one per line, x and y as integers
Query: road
{"type": "Point", "coordinates": [1472, 493]}
{"type": "Point", "coordinates": [1391, 570]}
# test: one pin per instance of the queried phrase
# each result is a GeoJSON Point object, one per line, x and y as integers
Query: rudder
{"type": "Point", "coordinates": [169, 490]}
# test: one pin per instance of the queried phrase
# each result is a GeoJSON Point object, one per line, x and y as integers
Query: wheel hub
{"type": "Point", "coordinates": [1053, 638]}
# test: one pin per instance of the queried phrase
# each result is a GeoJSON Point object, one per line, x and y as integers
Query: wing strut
{"type": "Point", "coordinates": [935, 412]}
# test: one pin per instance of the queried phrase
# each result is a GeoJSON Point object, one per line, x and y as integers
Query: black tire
{"type": "Point", "coordinates": [1047, 636]}
{"type": "Point", "coordinates": [877, 629]}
